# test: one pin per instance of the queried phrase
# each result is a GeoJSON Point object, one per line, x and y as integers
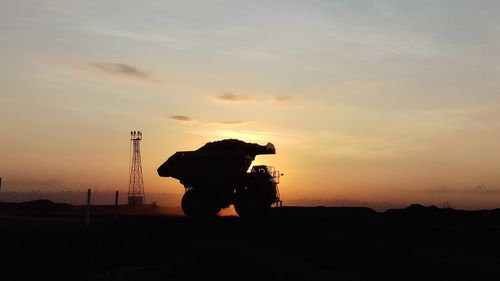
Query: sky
{"type": "Point", "coordinates": [376, 101]}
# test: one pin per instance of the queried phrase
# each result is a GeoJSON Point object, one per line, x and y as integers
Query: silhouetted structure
{"type": "Point", "coordinates": [87, 210]}
{"type": "Point", "coordinates": [136, 184]}
{"type": "Point", "coordinates": [447, 204]}
{"type": "Point", "coordinates": [215, 176]}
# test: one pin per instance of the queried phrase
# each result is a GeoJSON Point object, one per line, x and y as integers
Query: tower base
{"type": "Point", "coordinates": [135, 200]}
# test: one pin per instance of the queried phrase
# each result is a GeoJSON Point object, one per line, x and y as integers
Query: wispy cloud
{"type": "Point", "coordinates": [478, 190]}
{"type": "Point", "coordinates": [120, 33]}
{"type": "Point", "coordinates": [283, 98]}
{"type": "Point", "coordinates": [232, 97]}
{"type": "Point", "coordinates": [257, 136]}
{"type": "Point", "coordinates": [180, 118]}
{"type": "Point", "coordinates": [30, 182]}
{"type": "Point", "coordinates": [121, 69]}
{"type": "Point", "coordinates": [235, 122]}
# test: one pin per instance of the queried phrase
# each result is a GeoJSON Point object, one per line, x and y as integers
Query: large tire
{"type": "Point", "coordinates": [248, 204]}
{"type": "Point", "coordinates": [196, 204]}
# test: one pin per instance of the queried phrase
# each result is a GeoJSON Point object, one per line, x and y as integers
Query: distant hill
{"type": "Point", "coordinates": [106, 197]}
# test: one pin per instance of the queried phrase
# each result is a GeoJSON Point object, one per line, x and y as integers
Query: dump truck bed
{"type": "Point", "coordinates": [216, 163]}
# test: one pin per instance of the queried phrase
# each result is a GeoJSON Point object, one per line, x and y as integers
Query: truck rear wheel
{"type": "Point", "coordinates": [196, 204]}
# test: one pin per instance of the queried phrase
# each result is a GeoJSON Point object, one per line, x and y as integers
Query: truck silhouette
{"type": "Point", "coordinates": [216, 176]}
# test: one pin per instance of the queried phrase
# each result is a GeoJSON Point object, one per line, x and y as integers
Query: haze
{"type": "Point", "coordinates": [379, 101]}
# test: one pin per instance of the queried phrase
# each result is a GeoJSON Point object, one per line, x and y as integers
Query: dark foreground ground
{"type": "Point", "coordinates": [45, 241]}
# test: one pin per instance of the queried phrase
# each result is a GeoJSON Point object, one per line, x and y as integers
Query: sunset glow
{"type": "Point", "coordinates": [373, 101]}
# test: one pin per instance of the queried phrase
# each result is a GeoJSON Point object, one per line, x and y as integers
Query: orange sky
{"type": "Point", "coordinates": [378, 102]}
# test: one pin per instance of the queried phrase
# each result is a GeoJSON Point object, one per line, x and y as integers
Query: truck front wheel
{"type": "Point", "coordinates": [249, 204]}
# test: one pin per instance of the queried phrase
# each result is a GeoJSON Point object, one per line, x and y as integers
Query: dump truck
{"type": "Point", "coordinates": [216, 175]}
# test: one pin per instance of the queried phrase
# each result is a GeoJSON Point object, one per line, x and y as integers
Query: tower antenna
{"type": "Point", "coordinates": [136, 194]}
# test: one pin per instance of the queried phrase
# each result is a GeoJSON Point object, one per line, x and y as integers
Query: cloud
{"type": "Point", "coordinates": [482, 189]}
{"type": "Point", "coordinates": [478, 190]}
{"type": "Point", "coordinates": [442, 190]}
{"type": "Point", "coordinates": [302, 102]}
{"type": "Point", "coordinates": [232, 122]}
{"type": "Point", "coordinates": [121, 69]}
{"type": "Point", "coordinates": [29, 182]}
{"type": "Point", "coordinates": [180, 118]}
{"type": "Point", "coordinates": [232, 97]}
{"type": "Point", "coordinates": [283, 98]}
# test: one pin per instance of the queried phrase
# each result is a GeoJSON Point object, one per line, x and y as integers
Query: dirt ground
{"type": "Point", "coordinates": [293, 243]}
